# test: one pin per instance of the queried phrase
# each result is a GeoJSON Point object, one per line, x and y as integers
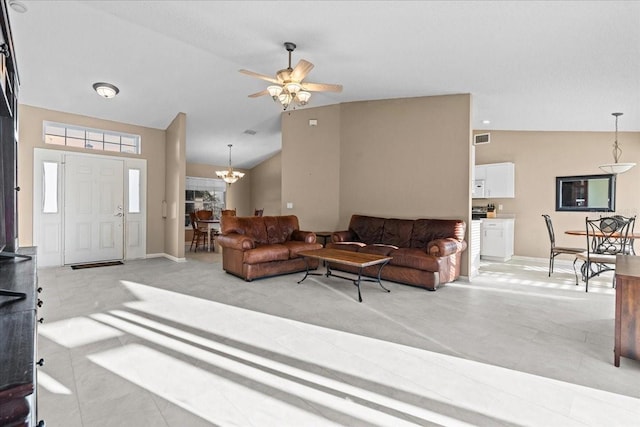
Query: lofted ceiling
{"type": "Point", "coordinates": [529, 65]}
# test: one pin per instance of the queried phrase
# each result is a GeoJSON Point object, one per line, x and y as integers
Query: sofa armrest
{"type": "Point", "coordinates": [445, 247]}
{"type": "Point", "coordinates": [304, 236]}
{"type": "Point", "coordinates": [343, 236]}
{"type": "Point", "coordinates": [236, 241]}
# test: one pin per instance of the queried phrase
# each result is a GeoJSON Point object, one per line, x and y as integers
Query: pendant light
{"type": "Point", "coordinates": [615, 167]}
{"type": "Point", "coordinates": [229, 176]}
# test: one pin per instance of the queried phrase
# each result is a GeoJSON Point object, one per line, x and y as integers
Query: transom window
{"type": "Point", "coordinates": [90, 139]}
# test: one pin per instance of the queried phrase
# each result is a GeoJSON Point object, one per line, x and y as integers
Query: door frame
{"type": "Point", "coordinates": [48, 228]}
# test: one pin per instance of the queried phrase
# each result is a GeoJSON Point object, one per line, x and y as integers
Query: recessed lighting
{"type": "Point", "coordinates": [18, 6]}
{"type": "Point", "coordinates": [486, 122]}
{"type": "Point", "coordinates": [106, 90]}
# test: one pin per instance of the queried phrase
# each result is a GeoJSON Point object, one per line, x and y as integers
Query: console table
{"type": "Point", "coordinates": [18, 350]}
{"type": "Point", "coordinates": [627, 339]}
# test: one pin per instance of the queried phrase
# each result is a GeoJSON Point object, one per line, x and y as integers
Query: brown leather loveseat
{"type": "Point", "coordinates": [260, 246]}
{"type": "Point", "coordinates": [426, 252]}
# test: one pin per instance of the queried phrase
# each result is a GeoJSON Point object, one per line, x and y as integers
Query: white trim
{"type": "Point", "coordinates": [167, 256]}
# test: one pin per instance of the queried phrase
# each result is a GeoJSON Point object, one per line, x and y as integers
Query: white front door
{"type": "Point", "coordinates": [93, 209]}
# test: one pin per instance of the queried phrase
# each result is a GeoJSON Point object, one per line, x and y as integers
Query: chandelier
{"type": "Point", "coordinates": [616, 167]}
{"type": "Point", "coordinates": [229, 176]}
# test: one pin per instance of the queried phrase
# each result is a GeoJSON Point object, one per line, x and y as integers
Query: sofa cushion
{"type": "Point", "coordinates": [253, 227]}
{"type": "Point", "coordinates": [266, 253]}
{"type": "Point", "coordinates": [296, 246]}
{"type": "Point", "coordinates": [415, 258]}
{"type": "Point", "coordinates": [397, 232]}
{"type": "Point", "coordinates": [378, 249]}
{"type": "Point", "coordinates": [280, 228]}
{"type": "Point", "coordinates": [426, 230]}
{"type": "Point", "coordinates": [367, 229]}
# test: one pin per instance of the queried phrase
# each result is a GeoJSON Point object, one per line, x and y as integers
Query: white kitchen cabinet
{"type": "Point", "coordinates": [475, 248]}
{"type": "Point", "coordinates": [497, 180]}
{"type": "Point", "coordinates": [496, 240]}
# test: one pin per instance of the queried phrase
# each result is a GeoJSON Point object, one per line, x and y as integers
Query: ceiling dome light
{"type": "Point", "coordinates": [106, 90]}
{"type": "Point", "coordinates": [18, 6]}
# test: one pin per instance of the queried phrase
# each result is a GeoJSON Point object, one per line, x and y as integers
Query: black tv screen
{"type": "Point", "coordinates": [595, 193]}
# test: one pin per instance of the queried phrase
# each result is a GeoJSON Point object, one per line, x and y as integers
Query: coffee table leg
{"type": "Point", "coordinates": [306, 273]}
{"type": "Point", "coordinates": [357, 283]}
{"type": "Point", "coordinates": [380, 271]}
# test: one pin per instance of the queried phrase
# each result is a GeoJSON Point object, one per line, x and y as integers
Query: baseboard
{"type": "Point", "coordinates": [167, 256]}
{"type": "Point", "coordinates": [557, 261]}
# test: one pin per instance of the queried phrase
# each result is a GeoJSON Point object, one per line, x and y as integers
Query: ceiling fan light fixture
{"type": "Point", "coordinates": [285, 99]}
{"type": "Point", "coordinates": [293, 87]}
{"type": "Point", "coordinates": [303, 97]}
{"type": "Point", "coordinates": [274, 91]}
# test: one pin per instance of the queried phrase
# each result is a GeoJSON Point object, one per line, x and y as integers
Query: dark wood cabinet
{"type": "Point", "coordinates": [18, 335]}
{"type": "Point", "coordinates": [627, 338]}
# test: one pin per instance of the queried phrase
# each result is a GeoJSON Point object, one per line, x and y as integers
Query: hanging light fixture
{"type": "Point", "coordinates": [229, 176]}
{"type": "Point", "coordinates": [616, 167]}
{"type": "Point", "coordinates": [290, 91]}
{"type": "Point", "coordinates": [106, 90]}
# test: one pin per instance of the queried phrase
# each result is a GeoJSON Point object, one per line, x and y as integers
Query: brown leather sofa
{"type": "Point", "coordinates": [260, 246]}
{"type": "Point", "coordinates": [426, 252]}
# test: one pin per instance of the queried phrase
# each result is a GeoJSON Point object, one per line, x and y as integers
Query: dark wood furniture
{"type": "Point", "coordinates": [18, 349]}
{"type": "Point", "coordinates": [324, 235]}
{"type": "Point", "coordinates": [354, 259]}
{"type": "Point", "coordinates": [627, 338]}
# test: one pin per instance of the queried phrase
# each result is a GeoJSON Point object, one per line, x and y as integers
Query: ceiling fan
{"type": "Point", "coordinates": [288, 86]}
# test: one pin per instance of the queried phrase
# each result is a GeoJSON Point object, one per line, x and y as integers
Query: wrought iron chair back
{"type": "Point", "coordinates": [606, 238]}
{"type": "Point", "coordinates": [609, 235]}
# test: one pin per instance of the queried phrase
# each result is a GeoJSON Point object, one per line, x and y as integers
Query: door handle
{"type": "Point", "coordinates": [118, 214]}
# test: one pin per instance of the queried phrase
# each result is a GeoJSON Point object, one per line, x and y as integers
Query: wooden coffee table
{"type": "Point", "coordinates": [356, 259]}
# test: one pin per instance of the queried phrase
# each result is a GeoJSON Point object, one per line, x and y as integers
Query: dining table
{"type": "Point", "coordinates": [583, 232]}
{"type": "Point", "coordinates": [211, 225]}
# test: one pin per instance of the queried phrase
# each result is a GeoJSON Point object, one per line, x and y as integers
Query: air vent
{"type": "Point", "coordinates": [250, 132]}
{"type": "Point", "coordinates": [481, 138]}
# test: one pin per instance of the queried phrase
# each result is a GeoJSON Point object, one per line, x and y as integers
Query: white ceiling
{"type": "Point", "coordinates": [529, 65]}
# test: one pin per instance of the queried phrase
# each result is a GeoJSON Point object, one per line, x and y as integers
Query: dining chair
{"type": "Point", "coordinates": [606, 238]}
{"type": "Point", "coordinates": [198, 232]}
{"type": "Point", "coordinates": [557, 250]}
{"type": "Point", "coordinates": [258, 212]}
{"type": "Point", "coordinates": [204, 214]}
{"type": "Point", "coordinates": [228, 212]}
{"type": "Point", "coordinates": [630, 250]}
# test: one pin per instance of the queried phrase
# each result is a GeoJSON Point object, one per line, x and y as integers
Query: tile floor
{"type": "Point", "coordinates": [158, 343]}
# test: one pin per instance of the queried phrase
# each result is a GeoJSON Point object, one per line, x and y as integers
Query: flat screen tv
{"type": "Point", "coordinates": [586, 193]}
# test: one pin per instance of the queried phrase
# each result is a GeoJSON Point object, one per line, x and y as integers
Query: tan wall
{"type": "Point", "coordinates": [266, 186]}
{"type": "Point", "coordinates": [403, 158]}
{"type": "Point", "coordinates": [311, 167]}
{"type": "Point", "coordinates": [30, 137]}
{"type": "Point", "coordinates": [238, 194]}
{"type": "Point", "coordinates": [541, 156]}
{"type": "Point", "coordinates": [175, 186]}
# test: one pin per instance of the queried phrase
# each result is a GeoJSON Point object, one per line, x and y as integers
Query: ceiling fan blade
{"type": "Point", "coordinates": [257, 94]}
{"type": "Point", "coordinates": [321, 87]}
{"type": "Point", "coordinates": [260, 76]}
{"type": "Point", "coordinates": [301, 70]}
